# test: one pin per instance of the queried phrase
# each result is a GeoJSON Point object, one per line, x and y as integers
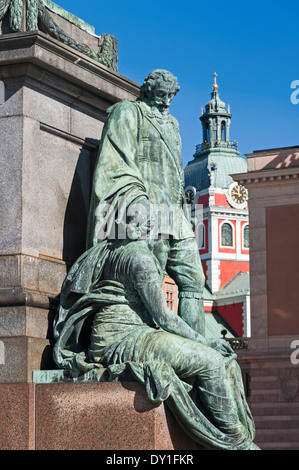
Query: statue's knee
{"type": "Point", "coordinates": [196, 282]}
{"type": "Point", "coordinates": [216, 361]}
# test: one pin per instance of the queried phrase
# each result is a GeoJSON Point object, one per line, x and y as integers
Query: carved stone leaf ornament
{"type": "Point", "coordinates": [36, 11]}
{"type": "Point", "coordinates": [16, 14]}
{"type": "Point", "coordinates": [32, 15]}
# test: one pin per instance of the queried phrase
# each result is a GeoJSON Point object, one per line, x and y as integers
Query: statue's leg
{"type": "Point", "coordinates": [191, 310]}
{"type": "Point", "coordinates": [185, 268]}
{"type": "Point", "coordinates": [190, 359]}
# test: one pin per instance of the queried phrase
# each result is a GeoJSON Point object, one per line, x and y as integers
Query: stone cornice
{"type": "Point", "coordinates": [18, 296]}
{"type": "Point", "coordinates": [51, 58]}
{"type": "Point", "coordinates": [267, 176]}
{"type": "Point", "coordinates": [224, 211]}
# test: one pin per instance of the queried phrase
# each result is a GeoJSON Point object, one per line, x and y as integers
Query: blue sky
{"type": "Point", "coordinates": [253, 47]}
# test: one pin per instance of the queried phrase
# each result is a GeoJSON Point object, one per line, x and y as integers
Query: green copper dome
{"type": "Point", "coordinates": [223, 162]}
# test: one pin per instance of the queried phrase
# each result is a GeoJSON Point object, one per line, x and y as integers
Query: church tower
{"type": "Point", "coordinates": [224, 226]}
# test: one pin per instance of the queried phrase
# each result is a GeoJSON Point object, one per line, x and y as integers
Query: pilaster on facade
{"type": "Point", "coordinates": [213, 275]}
{"type": "Point", "coordinates": [212, 191]}
{"type": "Point", "coordinates": [246, 317]}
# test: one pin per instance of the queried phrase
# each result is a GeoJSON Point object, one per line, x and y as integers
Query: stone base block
{"type": "Point", "coordinates": [20, 355]}
{"type": "Point", "coordinates": [17, 417]}
{"type": "Point", "coordinates": [273, 396]}
{"type": "Point", "coordinates": [90, 416]}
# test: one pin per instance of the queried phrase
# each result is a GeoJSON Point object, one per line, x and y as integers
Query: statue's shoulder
{"type": "Point", "coordinates": [123, 106]}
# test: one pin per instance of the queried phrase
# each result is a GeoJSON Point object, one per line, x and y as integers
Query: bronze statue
{"type": "Point", "coordinates": [113, 316]}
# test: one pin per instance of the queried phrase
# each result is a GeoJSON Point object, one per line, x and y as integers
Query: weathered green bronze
{"type": "Point", "coordinates": [36, 13]}
{"type": "Point", "coordinates": [113, 318]}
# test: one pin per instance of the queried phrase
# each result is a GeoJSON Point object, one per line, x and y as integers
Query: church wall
{"type": "Point", "coordinates": [233, 315]}
{"type": "Point", "coordinates": [205, 268]}
{"type": "Point", "coordinates": [282, 225]}
{"type": "Point", "coordinates": [228, 269]}
{"type": "Point", "coordinates": [204, 200]}
{"type": "Point", "coordinates": [220, 200]}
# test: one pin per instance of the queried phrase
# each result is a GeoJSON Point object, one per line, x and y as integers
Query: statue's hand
{"type": "Point", "coordinates": [221, 345]}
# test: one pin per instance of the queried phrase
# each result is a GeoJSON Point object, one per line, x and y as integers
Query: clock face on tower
{"type": "Point", "coordinates": [237, 196]}
{"type": "Point", "coordinates": [190, 193]}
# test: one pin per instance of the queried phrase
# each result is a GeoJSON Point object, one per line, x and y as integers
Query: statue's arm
{"type": "Point", "coordinates": [147, 282]}
{"type": "Point", "coordinates": [116, 165]}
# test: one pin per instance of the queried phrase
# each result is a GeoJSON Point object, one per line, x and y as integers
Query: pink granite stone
{"type": "Point", "coordinates": [103, 416]}
{"type": "Point", "coordinates": [17, 417]}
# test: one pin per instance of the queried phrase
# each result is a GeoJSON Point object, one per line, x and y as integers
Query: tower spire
{"type": "Point", "coordinates": [215, 86]}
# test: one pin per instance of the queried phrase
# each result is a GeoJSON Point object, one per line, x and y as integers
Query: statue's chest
{"type": "Point", "coordinates": [159, 141]}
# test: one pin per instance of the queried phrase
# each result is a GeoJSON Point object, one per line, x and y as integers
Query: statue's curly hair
{"type": "Point", "coordinates": [154, 79]}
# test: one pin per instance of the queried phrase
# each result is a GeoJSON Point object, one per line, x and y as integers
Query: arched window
{"type": "Point", "coordinates": [223, 131]}
{"type": "Point", "coordinates": [246, 236]}
{"type": "Point", "coordinates": [207, 133]}
{"type": "Point", "coordinates": [227, 235]}
{"type": "Point", "coordinates": [2, 93]}
{"type": "Point", "coordinates": [200, 235]}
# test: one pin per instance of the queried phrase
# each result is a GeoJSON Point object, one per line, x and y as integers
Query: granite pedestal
{"type": "Point", "coordinates": [89, 416]}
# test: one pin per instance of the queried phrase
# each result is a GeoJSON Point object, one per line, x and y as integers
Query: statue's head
{"type": "Point", "coordinates": [159, 88]}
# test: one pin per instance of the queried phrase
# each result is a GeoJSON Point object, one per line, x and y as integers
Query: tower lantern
{"type": "Point", "coordinates": [216, 121]}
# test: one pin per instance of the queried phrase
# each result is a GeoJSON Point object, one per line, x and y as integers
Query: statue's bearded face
{"type": "Point", "coordinates": [162, 95]}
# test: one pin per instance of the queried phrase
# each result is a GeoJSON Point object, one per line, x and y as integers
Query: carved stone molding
{"type": "Point", "coordinates": [268, 176]}
{"type": "Point", "coordinates": [51, 63]}
{"type": "Point", "coordinates": [18, 296]}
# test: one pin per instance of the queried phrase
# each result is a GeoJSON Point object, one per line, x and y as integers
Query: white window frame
{"type": "Point", "coordinates": [234, 235]}
{"type": "Point", "coordinates": [243, 229]}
